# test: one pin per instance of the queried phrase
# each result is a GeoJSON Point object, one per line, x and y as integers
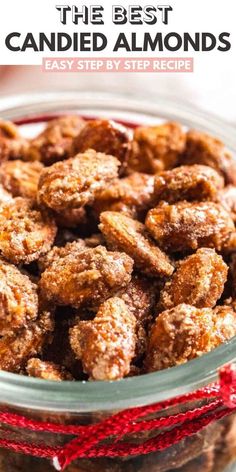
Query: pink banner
{"type": "Point", "coordinates": [119, 64]}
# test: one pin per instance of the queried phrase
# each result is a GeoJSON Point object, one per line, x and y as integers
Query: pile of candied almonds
{"type": "Point", "coordinates": [117, 248]}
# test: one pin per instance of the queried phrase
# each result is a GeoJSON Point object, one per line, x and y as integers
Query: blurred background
{"type": "Point", "coordinates": [210, 87]}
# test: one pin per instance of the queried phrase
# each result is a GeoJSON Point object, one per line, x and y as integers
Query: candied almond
{"type": "Point", "coordinates": [229, 246]}
{"type": "Point", "coordinates": [25, 232]}
{"type": "Point", "coordinates": [187, 226]}
{"type": "Point", "coordinates": [18, 299]}
{"type": "Point", "coordinates": [105, 136]}
{"type": "Point", "coordinates": [195, 182]}
{"type": "Point", "coordinates": [46, 370]}
{"type": "Point", "coordinates": [18, 347]}
{"type": "Point", "coordinates": [201, 148]}
{"type": "Point", "coordinates": [185, 332]}
{"type": "Point", "coordinates": [58, 252]}
{"type": "Point", "coordinates": [5, 196]}
{"type": "Point", "coordinates": [87, 278]}
{"type": "Point", "coordinates": [75, 182]}
{"type": "Point", "coordinates": [140, 297]}
{"type": "Point", "coordinates": [8, 130]}
{"type": "Point", "coordinates": [125, 234]}
{"type": "Point", "coordinates": [156, 148]}
{"type": "Point", "coordinates": [54, 143]}
{"type": "Point", "coordinates": [132, 195]}
{"type": "Point", "coordinates": [199, 281]}
{"type": "Point", "coordinates": [106, 345]}
{"type": "Point", "coordinates": [12, 144]}
{"type": "Point", "coordinates": [21, 178]}
{"type": "Point", "coordinates": [227, 198]}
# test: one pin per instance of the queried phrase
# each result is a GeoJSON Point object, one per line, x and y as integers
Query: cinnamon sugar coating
{"type": "Point", "coordinates": [86, 278]}
{"type": "Point", "coordinates": [227, 198]}
{"type": "Point", "coordinates": [18, 299]}
{"type": "Point", "coordinates": [156, 148]}
{"type": "Point", "coordinates": [18, 347]}
{"type": "Point", "coordinates": [196, 182]}
{"type": "Point", "coordinates": [202, 148]}
{"type": "Point", "coordinates": [56, 140]}
{"type": "Point", "coordinates": [57, 253]}
{"type": "Point", "coordinates": [47, 370]}
{"type": "Point", "coordinates": [20, 179]}
{"type": "Point", "coordinates": [132, 195]}
{"type": "Point", "coordinates": [106, 345]}
{"type": "Point", "coordinates": [140, 297]}
{"type": "Point", "coordinates": [12, 144]}
{"type": "Point", "coordinates": [185, 332]}
{"type": "Point", "coordinates": [105, 136]}
{"type": "Point", "coordinates": [187, 226]}
{"type": "Point", "coordinates": [75, 182]}
{"type": "Point", "coordinates": [199, 281]}
{"type": "Point", "coordinates": [25, 232]}
{"type": "Point", "coordinates": [5, 196]}
{"type": "Point", "coordinates": [125, 234]}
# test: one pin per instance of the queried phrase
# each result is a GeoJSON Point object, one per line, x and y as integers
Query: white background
{"type": "Point", "coordinates": [211, 86]}
{"type": "Point", "coordinates": [41, 15]}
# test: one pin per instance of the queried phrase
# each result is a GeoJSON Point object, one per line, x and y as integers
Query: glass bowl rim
{"type": "Point", "coordinates": [80, 396]}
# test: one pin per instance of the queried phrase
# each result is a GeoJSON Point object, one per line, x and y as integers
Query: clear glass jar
{"type": "Point", "coordinates": [79, 402]}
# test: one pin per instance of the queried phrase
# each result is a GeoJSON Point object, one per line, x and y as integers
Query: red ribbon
{"type": "Point", "coordinates": [89, 441]}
